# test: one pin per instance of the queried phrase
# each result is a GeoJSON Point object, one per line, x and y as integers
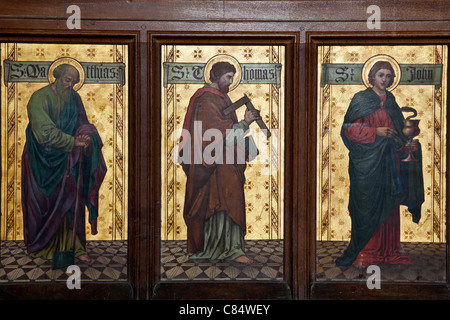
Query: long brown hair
{"type": "Point", "coordinates": [378, 66]}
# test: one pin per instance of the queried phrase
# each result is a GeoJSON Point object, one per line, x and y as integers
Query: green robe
{"type": "Point", "coordinates": [50, 136]}
{"type": "Point", "coordinates": [50, 171]}
{"type": "Point", "coordinates": [376, 187]}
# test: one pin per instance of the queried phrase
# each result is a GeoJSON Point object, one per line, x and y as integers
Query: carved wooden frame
{"type": "Point", "coordinates": [144, 153]}
{"type": "Point", "coordinates": [348, 290]}
{"type": "Point", "coordinates": [210, 289]}
{"type": "Point", "coordinates": [111, 290]}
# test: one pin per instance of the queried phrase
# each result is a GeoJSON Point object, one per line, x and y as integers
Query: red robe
{"type": "Point", "coordinates": [384, 245]}
{"type": "Point", "coordinates": [210, 187]}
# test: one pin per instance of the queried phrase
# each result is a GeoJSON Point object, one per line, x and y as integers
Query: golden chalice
{"type": "Point", "coordinates": [411, 130]}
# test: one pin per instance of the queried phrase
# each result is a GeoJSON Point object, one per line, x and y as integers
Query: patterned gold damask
{"type": "Point", "coordinates": [333, 221]}
{"type": "Point", "coordinates": [106, 107]}
{"type": "Point", "coordinates": [264, 181]}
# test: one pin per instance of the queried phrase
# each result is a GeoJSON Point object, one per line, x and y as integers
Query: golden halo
{"type": "Point", "coordinates": [72, 62]}
{"type": "Point", "coordinates": [224, 58]}
{"type": "Point", "coordinates": [381, 57]}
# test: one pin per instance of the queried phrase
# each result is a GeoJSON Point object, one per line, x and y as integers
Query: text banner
{"type": "Point", "coordinates": [37, 71]}
{"type": "Point", "coordinates": [411, 74]}
{"type": "Point", "coordinates": [193, 73]}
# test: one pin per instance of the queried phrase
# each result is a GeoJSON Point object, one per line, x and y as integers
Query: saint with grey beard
{"type": "Point", "coordinates": [57, 134]}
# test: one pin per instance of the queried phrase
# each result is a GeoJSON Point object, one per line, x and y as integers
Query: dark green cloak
{"type": "Point", "coordinates": [49, 173]}
{"type": "Point", "coordinates": [376, 187]}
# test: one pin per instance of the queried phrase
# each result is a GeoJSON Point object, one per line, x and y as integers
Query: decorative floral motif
{"type": "Point", "coordinates": [248, 53]}
{"type": "Point", "coordinates": [332, 217]}
{"type": "Point", "coordinates": [197, 54]}
{"type": "Point", "coordinates": [263, 187]}
{"type": "Point", "coordinates": [102, 102]}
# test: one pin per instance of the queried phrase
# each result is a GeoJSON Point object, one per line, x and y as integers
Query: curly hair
{"type": "Point", "coordinates": [219, 69]}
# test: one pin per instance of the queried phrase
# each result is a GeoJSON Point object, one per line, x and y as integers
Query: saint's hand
{"type": "Point", "coordinates": [82, 141]}
{"type": "Point", "coordinates": [385, 132]}
{"type": "Point", "coordinates": [251, 115]}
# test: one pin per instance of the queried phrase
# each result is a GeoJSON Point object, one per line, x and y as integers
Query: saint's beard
{"type": "Point", "coordinates": [63, 93]}
{"type": "Point", "coordinates": [223, 88]}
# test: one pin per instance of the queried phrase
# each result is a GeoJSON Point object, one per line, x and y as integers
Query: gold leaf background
{"type": "Point", "coordinates": [106, 107]}
{"type": "Point", "coordinates": [263, 192]}
{"type": "Point", "coordinates": [333, 221]}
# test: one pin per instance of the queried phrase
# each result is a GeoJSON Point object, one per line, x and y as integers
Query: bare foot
{"type": "Point", "coordinates": [244, 259]}
{"type": "Point", "coordinates": [85, 258]}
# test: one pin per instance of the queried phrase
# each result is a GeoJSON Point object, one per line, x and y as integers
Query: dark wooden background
{"type": "Point", "coordinates": [302, 26]}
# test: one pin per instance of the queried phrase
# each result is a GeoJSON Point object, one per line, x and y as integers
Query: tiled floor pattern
{"type": "Point", "coordinates": [267, 264]}
{"type": "Point", "coordinates": [109, 263]}
{"type": "Point", "coordinates": [429, 264]}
